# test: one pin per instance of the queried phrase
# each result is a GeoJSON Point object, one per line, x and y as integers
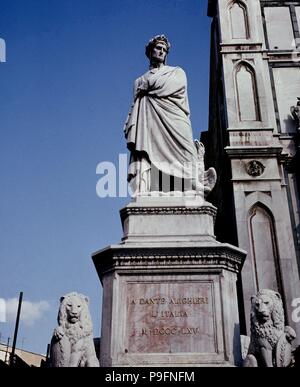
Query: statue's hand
{"type": "Point", "coordinates": [141, 93]}
{"type": "Point", "coordinates": [142, 88]}
{"type": "Point", "coordinates": [58, 333]}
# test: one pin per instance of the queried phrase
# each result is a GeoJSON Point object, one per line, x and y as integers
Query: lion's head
{"type": "Point", "coordinates": [74, 310]}
{"type": "Point", "coordinates": [267, 315]}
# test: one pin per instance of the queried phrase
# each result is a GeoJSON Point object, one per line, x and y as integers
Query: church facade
{"type": "Point", "coordinates": [253, 142]}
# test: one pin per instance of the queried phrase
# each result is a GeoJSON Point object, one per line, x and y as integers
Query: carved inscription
{"type": "Point", "coordinates": [172, 301]}
{"type": "Point", "coordinates": [167, 317]}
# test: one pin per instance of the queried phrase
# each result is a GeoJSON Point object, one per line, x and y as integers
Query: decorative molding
{"type": "Point", "coordinates": [268, 193]}
{"type": "Point", "coordinates": [188, 258]}
{"type": "Point", "coordinates": [143, 210]}
{"type": "Point", "coordinates": [253, 151]}
{"type": "Point", "coordinates": [238, 47]}
{"type": "Point", "coordinates": [252, 130]}
{"type": "Point", "coordinates": [255, 168]}
{"type": "Point", "coordinates": [278, 3]}
{"type": "Point", "coordinates": [255, 45]}
{"type": "Point", "coordinates": [285, 57]}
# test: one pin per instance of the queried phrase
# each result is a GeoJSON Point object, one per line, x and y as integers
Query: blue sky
{"type": "Point", "coordinates": [66, 89]}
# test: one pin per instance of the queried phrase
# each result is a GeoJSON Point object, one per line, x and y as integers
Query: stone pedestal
{"type": "Point", "coordinates": [169, 288]}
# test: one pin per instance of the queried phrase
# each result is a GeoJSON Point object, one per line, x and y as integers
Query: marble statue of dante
{"type": "Point", "coordinates": [158, 128]}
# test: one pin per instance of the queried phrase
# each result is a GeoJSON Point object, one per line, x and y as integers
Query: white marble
{"type": "Point", "coordinates": [169, 306]}
{"type": "Point", "coordinates": [267, 141]}
{"type": "Point", "coordinates": [168, 219]}
{"type": "Point", "coordinates": [72, 343]}
{"type": "Point", "coordinates": [287, 84]}
{"type": "Point", "coordinates": [279, 28]}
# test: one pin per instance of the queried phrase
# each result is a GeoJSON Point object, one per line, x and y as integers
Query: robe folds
{"type": "Point", "coordinates": [158, 125]}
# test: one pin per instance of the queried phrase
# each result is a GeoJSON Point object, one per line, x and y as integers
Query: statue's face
{"type": "Point", "coordinates": [263, 306]}
{"type": "Point", "coordinates": [73, 309]}
{"type": "Point", "coordinates": [159, 53]}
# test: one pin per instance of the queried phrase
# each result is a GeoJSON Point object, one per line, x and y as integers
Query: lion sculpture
{"type": "Point", "coordinates": [72, 343]}
{"type": "Point", "coordinates": [270, 342]}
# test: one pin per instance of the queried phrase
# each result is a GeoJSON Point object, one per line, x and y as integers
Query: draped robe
{"type": "Point", "coordinates": [158, 126]}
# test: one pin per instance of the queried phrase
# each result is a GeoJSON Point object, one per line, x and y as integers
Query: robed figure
{"type": "Point", "coordinates": [158, 128]}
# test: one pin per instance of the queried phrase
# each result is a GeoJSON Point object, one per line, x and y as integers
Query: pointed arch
{"type": "Point", "coordinates": [239, 21]}
{"type": "Point", "coordinates": [246, 92]}
{"type": "Point", "coordinates": [264, 248]}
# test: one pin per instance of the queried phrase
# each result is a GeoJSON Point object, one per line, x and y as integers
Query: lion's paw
{"type": "Point", "coordinates": [58, 333]}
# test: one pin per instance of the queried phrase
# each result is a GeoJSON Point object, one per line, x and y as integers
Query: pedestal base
{"type": "Point", "coordinates": [169, 302]}
{"type": "Point", "coordinates": [168, 220]}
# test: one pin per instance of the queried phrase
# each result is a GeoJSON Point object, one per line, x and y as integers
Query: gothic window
{"type": "Point", "coordinates": [247, 96]}
{"type": "Point", "coordinates": [239, 21]}
{"type": "Point", "coordinates": [264, 249]}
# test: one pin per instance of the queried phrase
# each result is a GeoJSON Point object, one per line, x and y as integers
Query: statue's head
{"type": "Point", "coordinates": [73, 308]}
{"type": "Point", "coordinates": [158, 48]}
{"type": "Point", "coordinates": [267, 306]}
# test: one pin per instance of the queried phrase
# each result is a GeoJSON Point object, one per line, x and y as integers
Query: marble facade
{"type": "Point", "coordinates": [253, 142]}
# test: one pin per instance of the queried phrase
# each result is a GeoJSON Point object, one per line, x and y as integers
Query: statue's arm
{"type": "Point", "coordinates": [141, 87]}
